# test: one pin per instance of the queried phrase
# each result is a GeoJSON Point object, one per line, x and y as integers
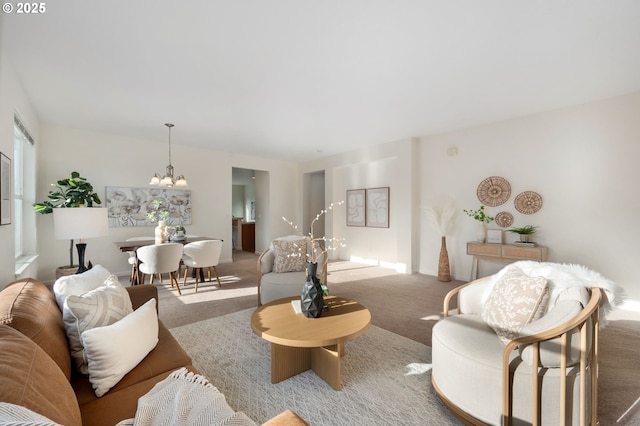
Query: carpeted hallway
{"type": "Point", "coordinates": [409, 305]}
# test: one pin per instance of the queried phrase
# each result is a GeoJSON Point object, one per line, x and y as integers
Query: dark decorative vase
{"type": "Point", "coordinates": [312, 300]}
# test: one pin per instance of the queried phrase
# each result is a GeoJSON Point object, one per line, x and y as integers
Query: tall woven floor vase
{"type": "Point", "coordinates": [444, 273]}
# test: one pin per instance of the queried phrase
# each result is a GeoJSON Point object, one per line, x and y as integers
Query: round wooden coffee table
{"type": "Point", "coordinates": [299, 343]}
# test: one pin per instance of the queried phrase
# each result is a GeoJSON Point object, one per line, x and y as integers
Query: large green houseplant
{"type": "Point", "coordinates": [74, 191]}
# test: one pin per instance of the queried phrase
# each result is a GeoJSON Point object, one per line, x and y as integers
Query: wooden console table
{"type": "Point", "coordinates": [503, 253]}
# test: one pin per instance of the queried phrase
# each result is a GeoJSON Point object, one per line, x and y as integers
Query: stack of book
{"type": "Point", "coordinates": [523, 244]}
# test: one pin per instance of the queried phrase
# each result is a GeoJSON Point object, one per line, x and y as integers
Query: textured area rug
{"type": "Point", "coordinates": [386, 377]}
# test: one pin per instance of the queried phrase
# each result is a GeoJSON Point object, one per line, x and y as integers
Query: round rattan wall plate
{"type": "Point", "coordinates": [528, 202]}
{"type": "Point", "coordinates": [504, 219]}
{"type": "Point", "coordinates": [494, 191]}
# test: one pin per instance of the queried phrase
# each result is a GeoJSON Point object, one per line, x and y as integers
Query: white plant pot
{"type": "Point", "coordinates": [481, 233]}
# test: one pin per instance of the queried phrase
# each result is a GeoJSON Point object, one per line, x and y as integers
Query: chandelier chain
{"type": "Point", "coordinates": [169, 125]}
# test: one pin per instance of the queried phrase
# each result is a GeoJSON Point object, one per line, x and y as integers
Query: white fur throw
{"type": "Point", "coordinates": [562, 275]}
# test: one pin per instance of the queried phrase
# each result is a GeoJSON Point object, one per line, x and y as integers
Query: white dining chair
{"type": "Point", "coordinates": [133, 259]}
{"type": "Point", "coordinates": [160, 259]}
{"type": "Point", "coordinates": [199, 255]}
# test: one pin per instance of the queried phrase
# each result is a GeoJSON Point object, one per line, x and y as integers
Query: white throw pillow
{"type": "Point", "coordinates": [79, 283]}
{"type": "Point", "coordinates": [114, 350]}
{"type": "Point", "coordinates": [96, 308]}
{"type": "Point", "coordinates": [514, 302]}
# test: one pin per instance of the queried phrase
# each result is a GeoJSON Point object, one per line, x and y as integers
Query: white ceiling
{"type": "Point", "coordinates": [298, 79]}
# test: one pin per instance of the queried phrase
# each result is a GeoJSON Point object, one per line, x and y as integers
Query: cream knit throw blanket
{"type": "Point", "coordinates": [185, 398]}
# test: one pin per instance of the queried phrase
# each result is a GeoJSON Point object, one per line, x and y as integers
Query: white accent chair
{"type": "Point", "coordinates": [160, 259]}
{"type": "Point", "coordinates": [199, 255]}
{"type": "Point", "coordinates": [273, 285]}
{"type": "Point", "coordinates": [547, 374]}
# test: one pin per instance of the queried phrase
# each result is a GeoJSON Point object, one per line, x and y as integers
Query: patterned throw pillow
{"type": "Point", "coordinates": [96, 308]}
{"type": "Point", "coordinates": [290, 255]}
{"type": "Point", "coordinates": [515, 300]}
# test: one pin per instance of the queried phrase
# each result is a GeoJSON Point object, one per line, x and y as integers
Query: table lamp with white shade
{"type": "Point", "coordinates": [80, 223]}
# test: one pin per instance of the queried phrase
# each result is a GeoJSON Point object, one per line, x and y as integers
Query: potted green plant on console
{"type": "Point", "coordinates": [72, 192]}
{"type": "Point", "coordinates": [524, 232]}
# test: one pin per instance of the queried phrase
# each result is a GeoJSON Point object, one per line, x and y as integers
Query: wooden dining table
{"type": "Point", "coordinates": [127, 246]}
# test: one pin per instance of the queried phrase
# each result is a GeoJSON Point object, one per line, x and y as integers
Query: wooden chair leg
{"type": "Point", "coordinates": [160, 277]}
{"type": "Point", "coordinates": [173, 280]}
{"type": "Point", "coordinates": [186, 272]}
{"type": "Point", "coordinates": [197, 270]}
{"type": "Point", "coordinates": [142, 277]}
{"type": "Point", "coordinates": [151, 276]}
{"type": "Point", "coordinates": [215, 271]}
{"type": "Point", "coordinates": [209, 273]}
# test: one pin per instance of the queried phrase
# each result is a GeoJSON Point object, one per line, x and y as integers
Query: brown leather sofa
{"type": "Point", "coordinates": [36, 371]}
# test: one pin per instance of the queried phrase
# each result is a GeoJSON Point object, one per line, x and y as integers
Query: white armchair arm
{"type": "Point", "coordinates": [470, 296]}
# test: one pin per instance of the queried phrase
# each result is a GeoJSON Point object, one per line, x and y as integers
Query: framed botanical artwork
{"type": "Point", "coordinates": [377, 215]}
{"type": "Point", "coordinates": [356, 207]}
{"type": "Point", "coordinates": [131, 206]}
{"type": "Point", "coordinates": [5, 190]}
{"type": "Point", "coordinates": [494, 236]}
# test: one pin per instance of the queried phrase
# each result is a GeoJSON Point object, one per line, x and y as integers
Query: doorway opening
{"type": "Point", "coordinates": [249, 208]}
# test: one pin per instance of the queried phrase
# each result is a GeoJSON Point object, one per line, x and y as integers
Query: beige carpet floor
{"type": "Point", "coordinates": [409, 305]}
{"type": "Point", "coordinates": [378, 366]}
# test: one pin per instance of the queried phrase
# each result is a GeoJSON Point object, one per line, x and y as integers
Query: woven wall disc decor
{"type": "Point", "coordinates": [528, 202]}
{"type": "Point", "coordinates": [494, 191]}
{"type": "Point", "coordinates": [504, 219]}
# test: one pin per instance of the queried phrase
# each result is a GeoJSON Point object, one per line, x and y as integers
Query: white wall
{"type": "Point", "coordinates": [249, 198]}
{"type": "Point", "coordinates": [583, 161]}
{"type": "Point", "coordinates": [384, 165]}
{"type": "Point", "coordinates": [313, 203]}
{"type": "Point", "coordinates": [237, 199]}
{"type": "Point", "coordinates": [12, 100]}
{"type": "Point", "coordinates": [113, 160]}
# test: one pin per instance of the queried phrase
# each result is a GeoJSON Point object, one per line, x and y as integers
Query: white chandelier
{"type": "Point", "coordinates": [168, 179]}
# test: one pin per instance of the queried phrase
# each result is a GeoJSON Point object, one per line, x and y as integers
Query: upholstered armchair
{"type": "Point", "coordinates": [521, 347]}
{"type": "Point", "coordinates": [282, 267]}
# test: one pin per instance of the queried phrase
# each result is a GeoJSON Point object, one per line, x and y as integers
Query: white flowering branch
{"type": "Point", "coordinates": [333, 242]}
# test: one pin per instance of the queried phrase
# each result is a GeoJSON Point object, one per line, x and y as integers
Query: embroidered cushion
{"type": "Point", "coordinates": [515, 300]}
{"type": "Point", "coordinates": [290, 255]}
